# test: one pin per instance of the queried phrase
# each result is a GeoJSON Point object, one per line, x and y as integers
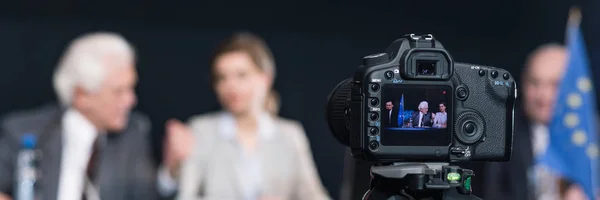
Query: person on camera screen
{"type": "Point", "coordinates": [441, 118]}
{"type": "Point", "coordinates": [390, 119]}
{"type": "Point", "coordinates": [423, 118]}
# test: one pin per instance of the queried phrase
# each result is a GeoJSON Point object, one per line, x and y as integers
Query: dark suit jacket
{"type": "Point", "coordinates": [427, 121]}
{"type": "Point", "coordinates": [508, 180]}
{"type": "Point", "coordinates": [390, 121]}
{"type": "Point", "coordinates": [126, 170]}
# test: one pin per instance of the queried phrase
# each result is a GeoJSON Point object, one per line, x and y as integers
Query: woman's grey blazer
{"type": "Point", "coordinates": [288, 169]}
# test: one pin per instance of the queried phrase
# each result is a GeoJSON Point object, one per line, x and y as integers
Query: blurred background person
{"type": "Point", "coordinates": [441, 118]}
{"type": "Point", "coordinates": [505, 180]}
{"type": "Point", "coordinates": [245, 151]}
{"type": "Point", "coordinates": [92, 146]}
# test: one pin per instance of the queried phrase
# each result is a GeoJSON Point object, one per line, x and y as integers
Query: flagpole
{"type": "Point", "coordinates": [574, 20]}
{"type": "Point", "coordinates": [574, 15]}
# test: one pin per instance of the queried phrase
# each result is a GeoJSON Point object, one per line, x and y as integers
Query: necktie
{"type": "Point", "coordinates": [92, 167]}
{"type": "Point", "coordinates": [421, 121]}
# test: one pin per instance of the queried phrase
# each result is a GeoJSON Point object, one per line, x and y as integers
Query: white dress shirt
{"type": "Point", "coordinates": [78, 138]}
{"type": "Point", "coordinates": [440, 118]}
{"type": "Point", "coordinates": [540, 139]}
{"type": "Point", "coordinates": [390, 116]}
{"type": "Point", "coordinates": [420, 119]}
{"type": "Point", "coordinates": [544, 180]}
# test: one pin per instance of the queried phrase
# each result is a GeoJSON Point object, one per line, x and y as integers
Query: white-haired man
{"type": "Point", "coordinates": [423, 118]}
{"type": "Point", "coordinates": [93, 146]}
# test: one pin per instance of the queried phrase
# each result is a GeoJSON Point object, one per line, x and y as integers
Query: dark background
{"type": "Point", "coordinates": [316, 44]}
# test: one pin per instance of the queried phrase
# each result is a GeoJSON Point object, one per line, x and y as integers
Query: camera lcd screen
{"type": "Point", "coordinates": [416, 115]}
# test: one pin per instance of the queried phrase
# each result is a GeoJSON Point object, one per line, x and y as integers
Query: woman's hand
{"type": "Point", "coordinates": [4, 197]}
{"type": "Point", "coordinates": [179, 143]}
{"type": "Point", "coordinates": [574, 192]}
{"type": "Point", "coordinates": [270, 198]}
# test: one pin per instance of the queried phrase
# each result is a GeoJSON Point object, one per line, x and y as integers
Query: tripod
{"type": "Point", "coordinates": [420, 182]}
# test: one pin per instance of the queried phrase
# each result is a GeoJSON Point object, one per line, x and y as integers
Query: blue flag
{"type": "Point", "coordinates": [401, 112]}
{"type": "Point", "coordinates": [573, 149]}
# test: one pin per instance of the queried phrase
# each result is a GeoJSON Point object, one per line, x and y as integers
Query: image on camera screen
{"type": "Point", "coordinates": [416, 114]}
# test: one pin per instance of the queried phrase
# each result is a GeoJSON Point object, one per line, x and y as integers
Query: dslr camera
{"type": "Point", "coordinates": [414, 103]}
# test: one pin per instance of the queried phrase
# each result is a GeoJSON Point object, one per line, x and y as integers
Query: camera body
{"type": "Point", "coordinates": [415, 104]}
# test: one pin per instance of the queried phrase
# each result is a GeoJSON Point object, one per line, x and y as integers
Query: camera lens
{"type": "Point", "coordinates": [426, 67]}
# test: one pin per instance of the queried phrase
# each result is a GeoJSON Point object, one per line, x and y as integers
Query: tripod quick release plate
{"type": "Point", "coordinates": [419, 177]}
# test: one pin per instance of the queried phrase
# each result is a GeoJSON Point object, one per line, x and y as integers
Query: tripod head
{"type": "Point", "coordinates": [419, 181]}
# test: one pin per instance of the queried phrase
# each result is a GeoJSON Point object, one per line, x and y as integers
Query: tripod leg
{"type": "Point", "coordinates": [382, 190]}
{"type": "Point", "coordinates": [452, 194]}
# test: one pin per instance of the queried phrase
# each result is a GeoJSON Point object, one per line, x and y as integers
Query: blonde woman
{"type": "Point", "coordinates": [245, 151]}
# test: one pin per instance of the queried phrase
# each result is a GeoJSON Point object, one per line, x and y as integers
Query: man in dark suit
{"type": "Point", "coordinates": [423, 118]}
{"type": "Point", "coordinates": [93, 146]}
{"type": "Point", "coordinates": [390, 115]}
{"type": "Point", "coordinates": [510, 180]}
{"type": "Point", "coordinates": [520, 178]}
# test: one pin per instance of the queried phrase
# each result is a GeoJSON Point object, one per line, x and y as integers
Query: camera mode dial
{"type": "Point", "coordinates": [469, 128]}
{"type": "Point", "coordinates": [375, 59]}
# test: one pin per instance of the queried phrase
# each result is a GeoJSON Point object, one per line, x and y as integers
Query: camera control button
{"type": "Point", "coordinates": [374, 131]}
{"type": "Point", "coordinates": [374, 101]}
{"type": "Point", "coordinates": [469, 128]}
{"type": "Point", "coordinates": [374, 116]}
{"type": "Point", "coordinates": [375, 87]}
{"type": "Point", "coordinates": [494, 73]}
{"type": "Point", "coordinates": [373, 145]}
{"type": "Point", "coordinates": [462, 93]}
{"type": "Point", "coordinates": [505, 76]}
{"type": "Point", "coordinates": [389, 74]}
{"type": "Point", "coordinates": [458, 151]}
{"type": "Point", "coordinates": [481, 72]}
